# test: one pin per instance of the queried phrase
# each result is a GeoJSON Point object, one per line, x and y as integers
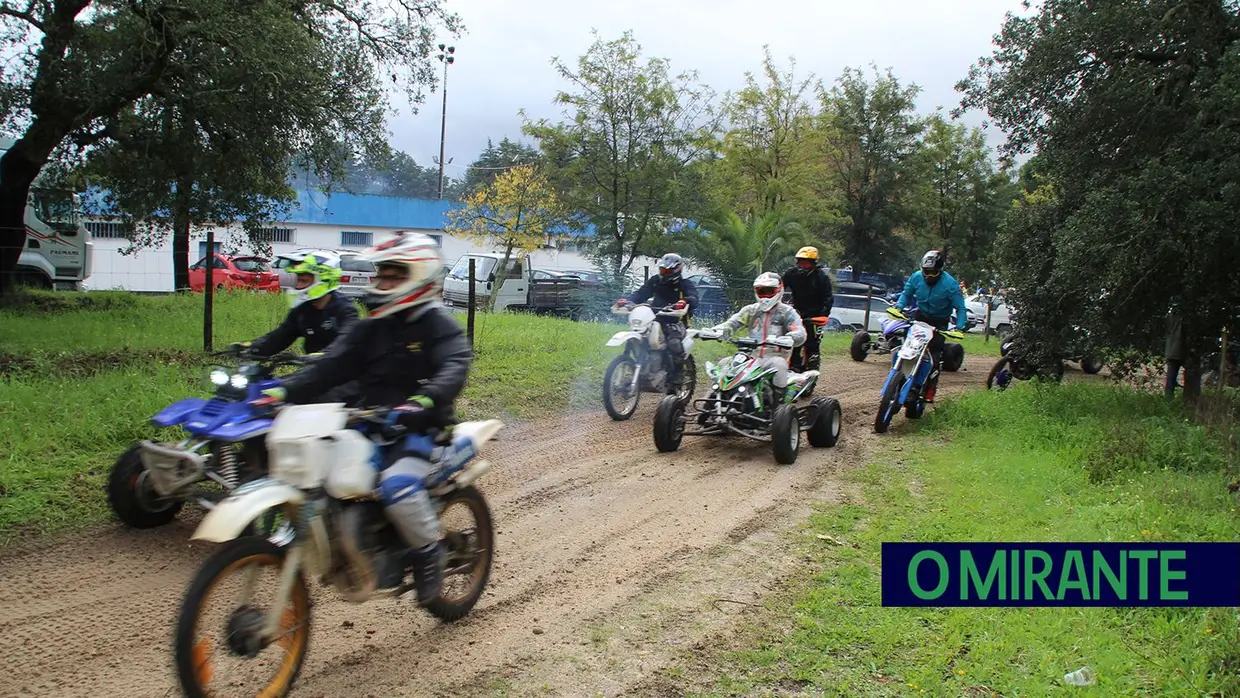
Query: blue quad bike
{"type": "Point", "coordinates": [223, 445]}
{"type": "Point", "coordinates": [911, 364]}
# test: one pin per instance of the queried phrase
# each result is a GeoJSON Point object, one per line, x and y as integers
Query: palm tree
{"type": "Point", "coordinates": [737, 249]}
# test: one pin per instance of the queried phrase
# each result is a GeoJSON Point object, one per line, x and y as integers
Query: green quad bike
{"type": "Point", "coordinates": [743, 401]}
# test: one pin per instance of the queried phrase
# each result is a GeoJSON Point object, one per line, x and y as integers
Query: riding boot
{"type": "Point", "coordinates": [674, 376]}
{"type": "Point", "coordinates": [428, 563]}
{"type": "Point", "coordinates": [815, 362]}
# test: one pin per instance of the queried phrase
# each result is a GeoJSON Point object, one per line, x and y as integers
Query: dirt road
{"type": "Point", "coordinates": [610, 559]}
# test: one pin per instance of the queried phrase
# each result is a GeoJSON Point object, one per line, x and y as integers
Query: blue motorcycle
{"type": "Point", "coordinates": [224, 445]}
{"type": "Point", "coordinates": [910, 372]}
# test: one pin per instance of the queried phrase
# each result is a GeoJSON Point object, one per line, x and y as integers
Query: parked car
{"type": "Point", "coordinates": [229, 273]}
{"type": "Point", "coordinates": [712, 298]}
{"type": "Point", "coordinates": [518, 288]}
{"type": "Point", "coordinates": [1000, 313]}
{"type": "Point", "coordinates": [850, 311]}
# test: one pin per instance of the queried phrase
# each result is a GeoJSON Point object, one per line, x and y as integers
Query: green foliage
{"type": "Point", "coordinates": [1137, 206]}
{"type": "Point", "coordinates": [200, 90]}
{"type": "Point", "coordinates": [494, 159]}
{"type": "Point", "coordinates": [1023, 448]}
{"type": "Point", "coordinates": [619, 156]}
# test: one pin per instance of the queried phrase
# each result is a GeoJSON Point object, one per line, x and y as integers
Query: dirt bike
{"type": "Point", "coordinates": [1012, 365]}
{"type": "Point", "coordinates": [324, 476]}
{"type": "Point", "coordinates": [645, 364]}
{"type": "Point", "coordinates": [151, 482]}
{"type": "Point", "coordinates": [743, 400]}
{"type": "Point", "coordinates": [908, 379]}
{"type": "Point", "coordinates": [894, 330]}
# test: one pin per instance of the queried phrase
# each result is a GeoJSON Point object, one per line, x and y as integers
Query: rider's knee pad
{"type": "Point", "coordinates": [399, 487]}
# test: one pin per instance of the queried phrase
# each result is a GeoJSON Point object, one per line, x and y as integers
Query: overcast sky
{"type": "Point", "coordinates": [503, 60]}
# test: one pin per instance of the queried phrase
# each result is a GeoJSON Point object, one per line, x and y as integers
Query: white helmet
{"type": "Point", "coordinates": [768, 288]}
{"type": "Point", "coordinates": [419, 257]}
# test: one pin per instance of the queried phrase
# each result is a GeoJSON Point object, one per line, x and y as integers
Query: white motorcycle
{"type": "Point", "coordinates": [323, 475]}
{"type": "Point", "coordinates": [645, 363]}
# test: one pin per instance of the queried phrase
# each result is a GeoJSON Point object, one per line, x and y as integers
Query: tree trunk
{"type": "Point", "coordinates": [180, 235]}
{"type": "Point", "coordinates": [501, 276]}
{"type": "Point", "coordinates": [19, 167]}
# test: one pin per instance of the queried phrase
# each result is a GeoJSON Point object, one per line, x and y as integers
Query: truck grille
{"type": "Point", "coordinates": [73, 272]}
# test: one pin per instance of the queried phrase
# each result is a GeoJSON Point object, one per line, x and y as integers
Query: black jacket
{"type": "Point", "coordinates": [318, 327]}
{"type": "Point", "coordinates": [392, 359]}
{"type": "Point", "coordinates": [811, 291]}
{"type": "Point", "coordinates": [661, 293]}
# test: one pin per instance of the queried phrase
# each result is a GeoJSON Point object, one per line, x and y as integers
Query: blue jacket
{"type": "Point", "coordinates": [936, 301]}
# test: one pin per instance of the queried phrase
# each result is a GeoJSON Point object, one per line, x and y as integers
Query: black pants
{"type": "Point", "coordinates": [1173, 376]}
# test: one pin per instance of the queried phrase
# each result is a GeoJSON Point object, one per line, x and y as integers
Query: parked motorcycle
{"type": "Point", "coordinates": [324, 477]}
{"type": "Point", "coordinates": [151, 482]}
{"type": "Point", "coordinates": [910, 372]}
{"type": "Point", "coordinates": [743, 400]}
{"type": "Point", "coordinates": [891, 337]}
{"type": "Point", "coordinates": [645, 363]}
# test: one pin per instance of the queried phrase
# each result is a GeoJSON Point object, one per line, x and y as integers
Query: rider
{"type": "Point", "coordinates": [766, 319]}
{"type": "Point", "coordinates": [811, 296]}
{"type": "Point", "coordinates": [411, 355]}
{"type": "Point", "coordinates": [318, 313]}
{"type": "Point", "coordinates": [669, 288]}
{"type": "Point", "coordinates": [935, 293]}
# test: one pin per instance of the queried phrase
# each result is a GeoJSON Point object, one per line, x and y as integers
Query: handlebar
{"type": "Point", "coordinates": [900, 315]}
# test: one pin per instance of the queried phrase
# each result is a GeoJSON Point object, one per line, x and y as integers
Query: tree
{"type": "Point", "coordinates": [80, 66]}
{"type": "Point", "coordinates": [1131, 109]}
{"type": "Point", "coordinates": [963, 196]}
{"type": "Point", "coordinates": [225, 132]}
{"type": "Point", "coordinates": [737, 248]}
{"type": "Point", "coordinates": [518, 211]}
{"type": "Point", "coordinates": [873, 135]}
{"type": "Point", "coordinates": [620, 157]}
{"type": "Point", "coordinates": [769, 156]}
{"type": "Point", "coordinates": [495, 159]}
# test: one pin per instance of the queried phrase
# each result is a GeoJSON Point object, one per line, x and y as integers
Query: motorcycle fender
{"type": "Point", "coordinates": [231, 516]}
{"type": "Point", "coordinates": [622, 338]}
{"type": "Point", "coordinates": [177, 412]}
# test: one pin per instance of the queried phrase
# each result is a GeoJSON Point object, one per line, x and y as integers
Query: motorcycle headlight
{"type": "Point", "coordinates": [218, 376]}
{"type": "Point", "coordinates": [239, 381]}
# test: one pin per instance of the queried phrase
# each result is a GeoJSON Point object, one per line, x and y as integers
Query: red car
{"type": "Point", "coordinates": [235, 273]}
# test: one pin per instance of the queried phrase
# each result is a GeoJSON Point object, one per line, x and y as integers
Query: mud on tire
{"type": "Point", "coordinates": [828, 423]}
{"type": "Point", "coordinates": [451, 608]}
{"type": "Point", "coordinates": [669, 424]}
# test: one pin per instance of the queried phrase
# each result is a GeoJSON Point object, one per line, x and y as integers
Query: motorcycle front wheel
{"type": "Point", "coordinates": [620, 405]}
{"type": "Point", "coordinates": [993, 376]}
{"type": "Point", "coordinates": [236, 634]}
{"type": "Point", "coordinates": [887, 406]}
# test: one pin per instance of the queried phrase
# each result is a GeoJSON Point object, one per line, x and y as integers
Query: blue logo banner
{"type": "Point", "coordinates": [1061, 574]}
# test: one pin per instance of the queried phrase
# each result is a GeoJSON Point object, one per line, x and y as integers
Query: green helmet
{"type": "Point", "coordinates": [324, 265]}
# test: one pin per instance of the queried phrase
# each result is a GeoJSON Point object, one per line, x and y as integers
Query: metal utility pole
{"type": "Point", "coordinates": [445, 56]}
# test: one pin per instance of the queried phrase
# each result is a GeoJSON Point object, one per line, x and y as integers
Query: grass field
{"type": "Point", "coordinates": [1079, 462]}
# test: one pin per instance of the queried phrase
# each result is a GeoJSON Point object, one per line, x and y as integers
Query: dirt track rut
{"type": "Point", "coordinates": [610, 558]}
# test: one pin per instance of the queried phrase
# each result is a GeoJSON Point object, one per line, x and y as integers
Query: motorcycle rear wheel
{"type": "Point", "coordinates": [131, 497]}
{"type": "Point", "coordinates": [470, 553]}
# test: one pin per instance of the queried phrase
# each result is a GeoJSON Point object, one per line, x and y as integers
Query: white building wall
{"type": "Point", "coordinates": [151, 269]}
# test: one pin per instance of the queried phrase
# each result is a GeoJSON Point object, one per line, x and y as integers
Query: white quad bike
{"type": "Point", "coordinates": [744, 401]}
{"type": "Point", "coordinates": [323, 475]}
{"type": "Point", "coordinates": [645, 363]}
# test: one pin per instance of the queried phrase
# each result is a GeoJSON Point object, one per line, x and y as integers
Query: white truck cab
{"type": "Point", "coordinates": [513, 287]}
{"type": "Point", "coordinates": [58, 251]}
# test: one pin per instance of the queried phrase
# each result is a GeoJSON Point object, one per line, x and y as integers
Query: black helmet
{"type": "Point", "coordinates": [670, 266]}
{"type": "Point", "coordinates": [932, 266]}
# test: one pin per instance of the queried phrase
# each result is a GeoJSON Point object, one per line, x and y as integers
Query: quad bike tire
{"type": "Point", "coordinates": [828, 423]}
{"type": "Point", "coordinates": [608, 405]}
{"type": "Point", "coordinates": [1091, 364]}
{"type": "Point", "coordinates": [860, 347]}
{"type": "Point", "coordinates": [128, 503]}
{"type": "Point", "coordinates": [669, 424]}
{"type": "Point", "coordinates": [785, 434]}
{"type": "Point", "coordinates": [889, 396]}
{"type": "Point", "coordinates": [953, 357]}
